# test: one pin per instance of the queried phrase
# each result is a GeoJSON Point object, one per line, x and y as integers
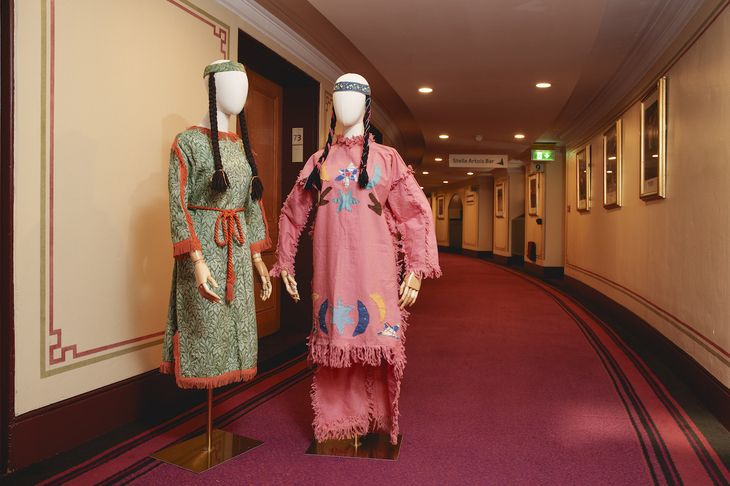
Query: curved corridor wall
{"type": "Point", "coordinates": [668, 260]}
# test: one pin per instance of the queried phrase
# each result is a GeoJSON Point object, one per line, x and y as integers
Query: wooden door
{"type": "Point", "coordinates": [264, 120]}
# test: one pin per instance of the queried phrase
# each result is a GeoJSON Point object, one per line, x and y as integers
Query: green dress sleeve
{"type": "Point", "coordinates": [184, 239]}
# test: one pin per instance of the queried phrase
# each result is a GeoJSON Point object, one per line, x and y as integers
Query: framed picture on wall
{"type": "Point", "coordinates": [499, 200]}
{"type": "Point", "coordinates": [533, 194]}
{"type": "Point", "coordinates": [654, 142]}
{"type": "Point", "coordinates": [583, 178]}
{"type": "Point", "coordinates": [440, 207]}
{"type": "Point", "coordinates": [612, 166]}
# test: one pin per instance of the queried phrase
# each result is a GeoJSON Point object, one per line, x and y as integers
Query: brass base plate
{"type": "Point", "coordinates": [372, 446]}
{"type": "Point", "coordinates": [191, 454]}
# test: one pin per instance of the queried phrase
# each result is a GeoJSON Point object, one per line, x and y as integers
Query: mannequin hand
{"type": "Point", "coordinates": [409, 290]}
{"type": "Point", "coordinates": [290, 284]}
{"type": "Point", "coordinates": [263, 272]}
{"type": "Point", "coordinates": [203, 277]}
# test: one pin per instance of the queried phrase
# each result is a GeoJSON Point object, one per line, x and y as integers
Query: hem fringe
{"type": "Point", "coordinates": [234, 376]}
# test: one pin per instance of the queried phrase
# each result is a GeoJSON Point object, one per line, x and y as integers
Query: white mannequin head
{"type": "Point", "coordinates": [231, 91]}
{"type": "Point", "coordinates": [350, 106]}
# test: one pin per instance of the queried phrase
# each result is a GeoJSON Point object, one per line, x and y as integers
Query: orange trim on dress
{"type": "Point", "coordinates": [204, 382]}
{"type": "Point", "coordinates": [181, 249]}
{"type": "Point", "coordinates": [265, 244]}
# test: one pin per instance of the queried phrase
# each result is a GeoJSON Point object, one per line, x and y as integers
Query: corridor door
{"type": "Point", "coordinates": [264, 120]}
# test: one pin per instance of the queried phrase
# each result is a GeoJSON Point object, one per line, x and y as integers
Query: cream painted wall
{"type": "Point", "coordinates": [514, 180]}
{"type": "Point", "coordinates": [477, 219]}
{"type": "Point", "coordinates": [102, 87]}
{"type": "Point", "coordinates": [549, 237]}
{"type": "Point", "coordinates": [667, 260]}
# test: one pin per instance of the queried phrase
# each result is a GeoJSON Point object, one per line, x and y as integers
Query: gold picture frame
{"type": "Point", "coordinates": [499, 193]}
{"type": "Point", "coordinates": [533, 194]}
{"type": "Point", "coordinates": [652, 184]}
{"type": "Point", "coordinates": [440, 202]}
{"type": "Point", "coordinates": [612, 165]}
{"type": "Point", "coordinates": [583, 179]}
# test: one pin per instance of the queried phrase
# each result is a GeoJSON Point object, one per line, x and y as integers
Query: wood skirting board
{"type": "Point", "coordinates": [709, 391]}
{"type": "Point", "coordinates": [482, 255]}
{"type": "Point", "coordinates": [544, 272]}
{"type": "Point", "coordinates": [42, 433]}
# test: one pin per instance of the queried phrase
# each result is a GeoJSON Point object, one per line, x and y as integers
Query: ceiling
{"type": "Point", "coordinates": [483, 58]}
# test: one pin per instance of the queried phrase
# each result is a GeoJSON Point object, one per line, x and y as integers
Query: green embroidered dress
{"type": "Point", "coordinates": [206, 344]}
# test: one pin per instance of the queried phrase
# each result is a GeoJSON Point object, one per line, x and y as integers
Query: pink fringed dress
{"type": "Point", "coordinates": [357, 337]}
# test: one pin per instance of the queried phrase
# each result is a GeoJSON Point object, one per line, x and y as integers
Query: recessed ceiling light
{"type": "Point", "coordinates": [425, 90]}
{"type": "Point", "coordinates": [609, 172]}
{"type": "Point", "coordinates": [443, 136]}
{"type": "Point", "coordinates": [543, 85]}
{"type": "Point", "coordinates": [425, 172]}
{"type": "Point", "coordinates": [470, 173]}
{"type": "Point", "coordinates": [519, 135]}
{"type": "Point", "coordinates": [612, 158]}
{"type": "Point", "coordinates": [655, 155]}
{"type": "Point", "coordinates": [421, 187]}
{"type": "Point", "coordinates": [438, 159]}
{"type": "Point", "coordinates": [446, 182]}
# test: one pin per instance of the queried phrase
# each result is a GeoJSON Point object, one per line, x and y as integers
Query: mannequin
{"type": "Point", "coordinates": [219, 228]}
{"type": "Point", "coordinates": [365, 196]}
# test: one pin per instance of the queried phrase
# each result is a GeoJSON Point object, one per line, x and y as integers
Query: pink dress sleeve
{"type": "Point", "coordinates": [414, 221]}
{"type": "Point", "coordinates": [292, 221]}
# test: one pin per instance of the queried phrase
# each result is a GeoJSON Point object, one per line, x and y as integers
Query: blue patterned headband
{"type": "Point", "coordinates": [350, 86]}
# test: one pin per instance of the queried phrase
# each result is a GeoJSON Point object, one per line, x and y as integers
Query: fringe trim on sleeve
{"type": "Point", "coordinates": [181, 249]}
{"type": "Point", "coordinates": [203, 382]}
{"type": "Point", "coordinates": [265, 244]}
{"type": "Point", "coordinates": [432, 270]}
{"type": "Point", "coordinates": [278, 267]}
{"type": "Point", "coordinates": [188, 219]}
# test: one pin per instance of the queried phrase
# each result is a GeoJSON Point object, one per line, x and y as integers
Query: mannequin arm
{"type": "Point", "coordinates": [203, 277]}
{"type": "Point", "coordinates": [263, 272]}
{"type": "Point", "coordinates": [409, 290]}
{"type": "Point", "coordinates": [290, 284]}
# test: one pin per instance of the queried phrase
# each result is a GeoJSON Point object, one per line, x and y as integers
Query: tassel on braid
{"type": "Point", "coordinates": [257, 187]}
{"type": "Point", "coordinates": [314, 181]}
{"type": "Point", "coordinates": [219, 181]}
{"type": "Point", "coordinates": [363, 179]}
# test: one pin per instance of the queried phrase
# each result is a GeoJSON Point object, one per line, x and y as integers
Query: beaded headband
{"type": "Point", "coordinates": [219, 67]}
{"type": "Point", "coordinates": [350, 86]}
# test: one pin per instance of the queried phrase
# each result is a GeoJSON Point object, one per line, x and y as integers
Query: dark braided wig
{"type": "Point", "coordinates": [219, 181]}
{"type": "Point", "coordinates": [257, 188]}
{"type": "Point", "coordinates": [314, 181]}
{"type": "Point", "coordinates": [363, 179]}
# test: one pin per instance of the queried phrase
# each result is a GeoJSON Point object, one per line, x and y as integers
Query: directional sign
{"type": "Point", "coordinates": [477, 161]}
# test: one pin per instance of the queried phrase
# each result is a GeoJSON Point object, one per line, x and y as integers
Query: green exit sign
{"type": "Point", "coordinates": [543, 155]}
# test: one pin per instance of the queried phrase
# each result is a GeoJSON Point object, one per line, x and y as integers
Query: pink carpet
{"type": "Point", "coordinates": [508, 382]}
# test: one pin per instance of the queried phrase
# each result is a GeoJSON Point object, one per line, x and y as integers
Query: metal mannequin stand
{"type": "Point", "coordinates": [370, 446]}
{"type": "Point", "coordinates": [208, 450]}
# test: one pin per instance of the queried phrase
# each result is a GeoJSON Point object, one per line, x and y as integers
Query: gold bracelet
{"type": "Point", "coordinates": [198, 260]}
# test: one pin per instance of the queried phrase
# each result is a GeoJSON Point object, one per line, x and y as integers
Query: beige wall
{"type": "Point", "coordinates": [514, 186]}
{"type": "Point", "coordinates": [102, 88]}
{"type": "Point", "coordinates": [477, 218]}
{"type": "Point", "coordinates": [550, 235]}
{"type": "Point", "coordinates": [667, 260]}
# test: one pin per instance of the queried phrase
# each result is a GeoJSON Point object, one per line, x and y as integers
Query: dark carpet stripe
{"type": "Point", "coordinates": [669, 470]}
{"type": "Point", "coordinates": [149, 464]}
{"type": "Point", "coordinates": [124, 448]}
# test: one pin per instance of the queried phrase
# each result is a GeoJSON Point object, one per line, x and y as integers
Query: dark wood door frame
{"type": "Point", "coordinates": [301, 109]}
{"type": "Point", "coordinates": [7, 305]}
